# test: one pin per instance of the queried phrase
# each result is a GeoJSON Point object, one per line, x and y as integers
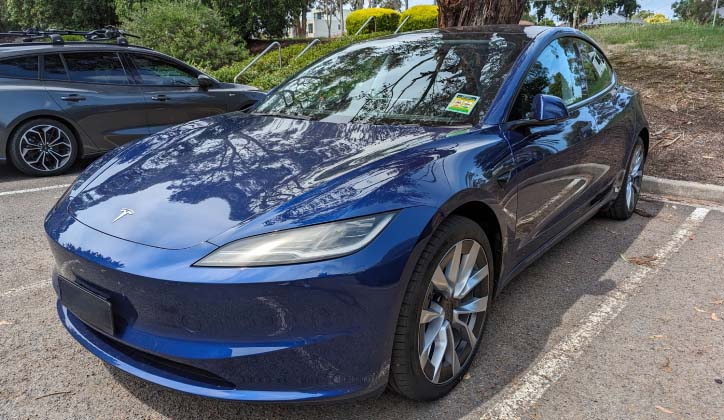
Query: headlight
{"type": "Point", "coordinates": [305, 244]}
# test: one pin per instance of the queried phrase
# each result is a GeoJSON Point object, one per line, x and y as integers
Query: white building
{"type": "Point", "coordinates": [317, 24]}
{"type": "Point", "coordinates": [610, 19]}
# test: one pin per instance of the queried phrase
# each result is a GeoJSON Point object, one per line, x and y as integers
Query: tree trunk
{"type": "Point", "coordinates": [341, 17]}
{"type": "Point", "coordinates": [478, 12]}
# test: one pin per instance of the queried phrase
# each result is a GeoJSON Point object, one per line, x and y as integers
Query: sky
{"type": "Point", "coordinates": [657, 6]}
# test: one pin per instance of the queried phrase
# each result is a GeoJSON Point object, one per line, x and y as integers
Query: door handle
{"type": "Point", "coordinates": [73, 98]}
{"type": "Point", "coordinates": [162, 98]}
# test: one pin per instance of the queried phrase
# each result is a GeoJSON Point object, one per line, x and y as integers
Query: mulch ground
{"type": "Point", "coordinates": [683, 97]}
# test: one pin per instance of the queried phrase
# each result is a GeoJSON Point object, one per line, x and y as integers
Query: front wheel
{"type": "Point", "coordinates": [625, 203]}
{"type": "Point", "coordinates": [43, 147]}
{"type": "Point", "coordinates": [443, 312]}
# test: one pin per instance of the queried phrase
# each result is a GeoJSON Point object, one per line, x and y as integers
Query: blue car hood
{"type": "Point", "coordinates": [192, 182]}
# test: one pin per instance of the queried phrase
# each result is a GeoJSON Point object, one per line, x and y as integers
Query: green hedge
{"type": "Point", "coordinates": [421, 17]}
{"type": "Point", "coordinates": [265, 74]}
{"type": "Point", "coordinates": [384, 20]}
{"type": "Point", "coordinates": [187, 30]}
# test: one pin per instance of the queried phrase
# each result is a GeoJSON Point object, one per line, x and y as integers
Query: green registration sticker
{"type": "Point", "coordinates": [463, 104]}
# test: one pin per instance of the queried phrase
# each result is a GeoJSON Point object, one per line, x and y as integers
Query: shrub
{"type": "Point", "coordinates": [546, 22]}
{"type": "Point", "coordinates": [657, 18]}
{"type": "Point", "coordinates": [421, 17]}
{"type": "Point", "coordinates": [384, 20]}
{"type": "Point", "coordinates": [187, 30]}
{"type": "Point", "coordinates": [266, 74]}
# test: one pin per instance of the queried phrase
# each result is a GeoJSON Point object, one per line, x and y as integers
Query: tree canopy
{"type": "Point", "coordinates": [60, 14]}
{"type": "Point", "coordinates": [698, 11]}
{"type": "Point", "coordinates": [574, 12]}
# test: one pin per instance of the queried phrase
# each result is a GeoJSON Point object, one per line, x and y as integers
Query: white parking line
{"type": "Point", "coordinates": [26, 288]}
{"type": "Point", "coordinates": [30, 190]}
{"type": "Point", "coordinates": [530, 387]}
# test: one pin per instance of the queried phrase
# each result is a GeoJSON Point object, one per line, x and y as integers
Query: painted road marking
{"type": "Point", "coordinates": [527, 390]}
{"type": "Point", "coordinates": [27, 288]}
{"type": "Point", "coordinates": [30, 190]}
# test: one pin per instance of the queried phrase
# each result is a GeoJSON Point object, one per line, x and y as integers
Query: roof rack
{"type": "Point", "coordinates": [108, 33]}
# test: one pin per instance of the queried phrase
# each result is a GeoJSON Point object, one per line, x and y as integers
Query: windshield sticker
{"type": "Point", "coordinates": [463, 104]}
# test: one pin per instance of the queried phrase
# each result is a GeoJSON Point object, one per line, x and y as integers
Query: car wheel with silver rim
{"type": "Point", "coordinates": [43, 147]}
{"type": "Point", "coordinates": [444, 311]}
{"type": "Point", "coordinates": [628, 196]}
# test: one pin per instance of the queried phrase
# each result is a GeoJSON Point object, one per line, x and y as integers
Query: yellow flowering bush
{"type": "Point", "coordinates": [421, 17]}
{"type": "Point", "coordinates": [384, 20]}
{"type": "Point", "coordinates": [657, 18]}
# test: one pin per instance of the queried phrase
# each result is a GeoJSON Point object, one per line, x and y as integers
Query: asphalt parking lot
{"type": "Point", "coordinates": [620, 320]}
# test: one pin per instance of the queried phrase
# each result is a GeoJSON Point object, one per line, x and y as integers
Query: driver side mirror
{"type": "Point", "coordinates": [205, 82]}
{"type": "Point", "coordinates": [549, 108]}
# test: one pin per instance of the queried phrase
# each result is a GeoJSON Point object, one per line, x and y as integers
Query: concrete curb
{"type": "Point", "coordinates": [683, 189]}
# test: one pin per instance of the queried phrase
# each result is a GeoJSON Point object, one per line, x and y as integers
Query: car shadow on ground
{"type": "Point", "coordinates": [526, 316]}
{"type": "Point", "coordinates": [8, 173]}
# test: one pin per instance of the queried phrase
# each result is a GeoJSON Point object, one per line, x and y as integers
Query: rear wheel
{"type": "Point", "coordinates": [43, 147]}
{"type": "Point", "coordinates": [625, 203]}
{"type": "Point", "coordinates": [444, 311]}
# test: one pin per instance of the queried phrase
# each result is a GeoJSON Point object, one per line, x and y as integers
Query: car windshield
{"type": "Point", "coordinates": [436, 79]}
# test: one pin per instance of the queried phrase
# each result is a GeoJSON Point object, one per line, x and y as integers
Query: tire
{"type": "Point", "coordinates": [43, 147]}
{"type": "Point", "coordinates": [416, 330]}
{"type": "Point", "coordinates": [624, 205]}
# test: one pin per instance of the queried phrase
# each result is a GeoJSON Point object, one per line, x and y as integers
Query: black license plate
{"type": "Point", "coordinates": [90, 307]}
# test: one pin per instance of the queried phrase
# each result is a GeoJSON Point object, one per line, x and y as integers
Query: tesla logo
{"type": "Point", "coordinates": [124, 212]}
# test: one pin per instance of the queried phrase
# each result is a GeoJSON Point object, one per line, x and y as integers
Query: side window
{"type": "Point", "coordinates": [598, 72]}
{"type": "Point", "coordinates": [158, 72]}
{"type": "Point", "coordinates": [20, 67]}
{"type": "Point", "coordinates": [558, 72]}
{"type": "Point", "coordinates": [53, 68]}
{"type": "Point", "coordinates": [96, 67]}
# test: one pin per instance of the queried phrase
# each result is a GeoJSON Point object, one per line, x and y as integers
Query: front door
{"type": "Point", "coordinates": [558, 172]}
{"type": "Point", "coordinates": [172, 91]}
{"type": "Point", "coordinates": [94, 90]}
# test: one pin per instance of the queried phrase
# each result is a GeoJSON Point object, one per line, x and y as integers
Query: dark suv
{"type": "Point", "coordinates": [60, 101]}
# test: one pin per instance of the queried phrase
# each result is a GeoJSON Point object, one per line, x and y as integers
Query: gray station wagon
{"type": "Point", "coordinates": [61, 101]}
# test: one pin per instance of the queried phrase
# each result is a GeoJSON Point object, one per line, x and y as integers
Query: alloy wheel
{"type": "Point", "coordinates": [454, 310]}
{"type": "Point", "coordinates": [635, 177]}
{"type": "Point", "coordinates": [45, 148]}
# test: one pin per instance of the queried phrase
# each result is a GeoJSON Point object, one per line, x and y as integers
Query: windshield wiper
{"type": "Point", "coordinates": [282, 115]}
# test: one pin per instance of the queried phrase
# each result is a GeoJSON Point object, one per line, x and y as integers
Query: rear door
{"type": "Point", "coordinates": [95, 90]}
{"type": "Point", "coordinates": [559, 168]}
{"type": "Point", "coordinates": [172, 92]}
{"type": "Point", "coordinates": [612, 127]}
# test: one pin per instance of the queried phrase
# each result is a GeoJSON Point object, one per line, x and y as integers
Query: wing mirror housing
{"type": "Point", "coordinates": [549, 108]}
{"type": "Point", "coordinates": [205, 82]}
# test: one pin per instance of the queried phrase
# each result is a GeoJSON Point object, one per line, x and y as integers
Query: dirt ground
{"type": "Point", "coordinates": [683, 96]}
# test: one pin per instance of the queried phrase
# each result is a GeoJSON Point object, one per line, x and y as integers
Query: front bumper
{"type": "Point", "coordinates": [305, 332]}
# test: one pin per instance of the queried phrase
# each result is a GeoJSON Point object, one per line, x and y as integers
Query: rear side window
{"type": "Point", "coordinates": [96, 67]}
{"type": "Point", "coordinates": [598, 72]}
{"type": "Point", "coordinates": [53, 68]}
{"type": "Point", "coordinates": [158, 72]}
{"type": "Point", "coordinates": [558, 72]}
{"type": "Point", "coordinates": [20, 67]}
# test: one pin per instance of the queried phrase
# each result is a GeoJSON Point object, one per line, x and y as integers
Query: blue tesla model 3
{"type": "Point", "coordinates": [351, 232]}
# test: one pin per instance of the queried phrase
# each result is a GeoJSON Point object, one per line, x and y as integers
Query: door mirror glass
{"type": "Point", "coordinates": [205, 82]}
{"type": "Point", "coordinates": [549, 108]}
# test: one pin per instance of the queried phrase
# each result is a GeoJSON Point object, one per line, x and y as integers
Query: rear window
{"type": "Point", "coordinates": [53, 68]}
{"type": "Point", "coordinates": [20, 67]}
{"type": "Point", "coordinates": [96, 67]}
